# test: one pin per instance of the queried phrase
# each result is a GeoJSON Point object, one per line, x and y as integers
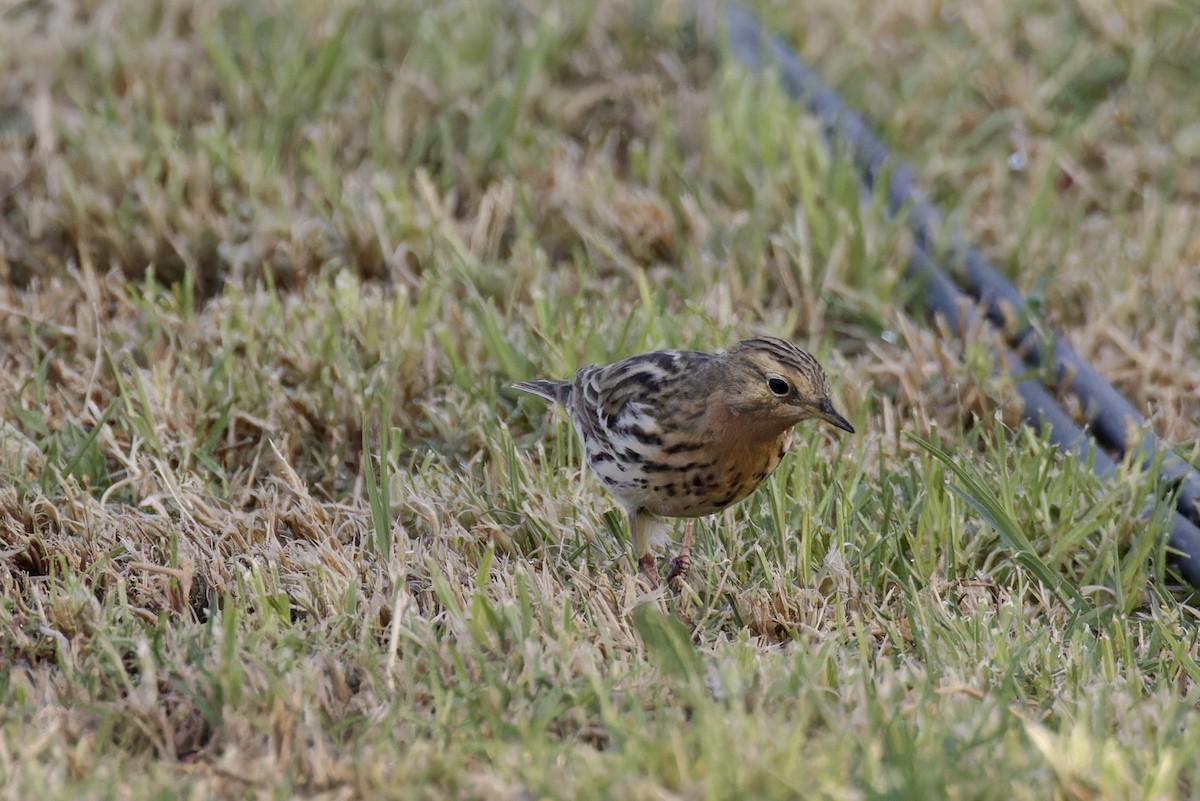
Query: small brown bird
{"type": "Point", "coordinates": [684, 433]}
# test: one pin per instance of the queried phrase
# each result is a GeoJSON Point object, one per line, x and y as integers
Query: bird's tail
{"type": "Point", "coordinates": [556, 391]}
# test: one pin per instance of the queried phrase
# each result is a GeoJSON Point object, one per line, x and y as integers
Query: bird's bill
{"type": "Point", "coordinates": [830, 415]}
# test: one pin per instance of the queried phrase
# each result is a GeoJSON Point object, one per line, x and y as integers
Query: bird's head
{"type": "Point", "coordinates": [773, 381]}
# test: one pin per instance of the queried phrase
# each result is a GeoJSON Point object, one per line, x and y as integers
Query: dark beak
{"type": "Point", "coordinates": [830, 415]}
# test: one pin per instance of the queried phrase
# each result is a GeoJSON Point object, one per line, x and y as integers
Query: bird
{"type": "Point", "coordinates": [687, 433]}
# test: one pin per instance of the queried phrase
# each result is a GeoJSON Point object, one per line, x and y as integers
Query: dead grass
{"type": "Point", "coordinates": [272, 525]}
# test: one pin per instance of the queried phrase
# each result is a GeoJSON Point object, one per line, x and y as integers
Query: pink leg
{"type": "Point", "coordinates": [646, 563]}
{"type": "Point", "coordinates": [681, 563]}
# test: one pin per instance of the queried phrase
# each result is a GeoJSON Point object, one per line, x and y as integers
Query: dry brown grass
{"type": "Point", "coordinates": [235, 239]}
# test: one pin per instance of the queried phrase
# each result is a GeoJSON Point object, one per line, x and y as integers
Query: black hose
{"type": "Point", "coordinates": [1041, 410]}
{"type": "Point", "coordinates": [1110, 416]}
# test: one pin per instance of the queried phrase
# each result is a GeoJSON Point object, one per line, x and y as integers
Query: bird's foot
{"type": "Point", "coordinates": [681, 563]}
{"type": "Point", "coordinates": [679, 569]}
{"type": "Point", "coordinates": [646, 563]}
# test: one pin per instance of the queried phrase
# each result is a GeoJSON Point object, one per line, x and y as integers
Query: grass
{"type": "Point", "coordinates": [272, 524]}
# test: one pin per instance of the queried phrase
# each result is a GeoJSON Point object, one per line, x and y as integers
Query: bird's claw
{"type": "Point", "coordinates": [646, 563]}
{"type": "Point", "coordinates": [679, 569]}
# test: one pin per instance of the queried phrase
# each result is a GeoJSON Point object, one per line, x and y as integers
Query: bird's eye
{"type": "Point", "coordinates": [779, 386]}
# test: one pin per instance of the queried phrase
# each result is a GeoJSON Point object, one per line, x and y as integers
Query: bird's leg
{"type": "Point", "coordinates": [646, 563]}
{"type": "Point", "coordinates": [681, 563]}
{"type": "Point", "coordinates": [639, 528]}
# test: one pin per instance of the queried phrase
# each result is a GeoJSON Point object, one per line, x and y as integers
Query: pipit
{"type": "Point", "coordinates": [684, 433]}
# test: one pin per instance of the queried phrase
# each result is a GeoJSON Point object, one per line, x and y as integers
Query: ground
{"type": "Point", "coordinates": [272, 523]}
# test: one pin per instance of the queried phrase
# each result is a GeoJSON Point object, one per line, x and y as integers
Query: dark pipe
{"type": "Point", "coordinates": [1110, 416]}
{"type": "Point", "coordinates": [1041, 410]}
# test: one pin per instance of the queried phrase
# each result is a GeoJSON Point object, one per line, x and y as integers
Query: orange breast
{"type": "Point", "coordinates": [709, 485]}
